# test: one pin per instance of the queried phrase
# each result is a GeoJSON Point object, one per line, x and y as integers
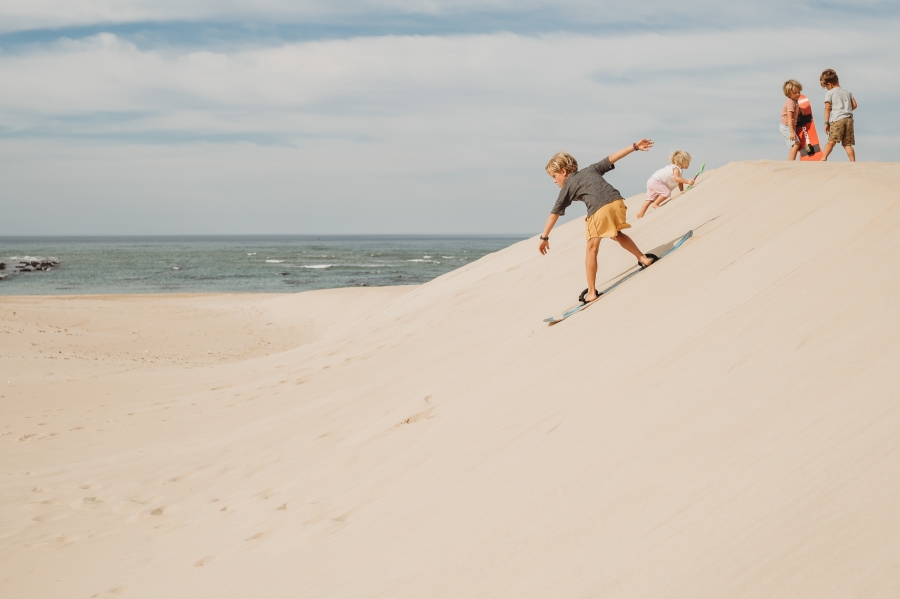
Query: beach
{"type": "Point", "coordinates": [722, 425]}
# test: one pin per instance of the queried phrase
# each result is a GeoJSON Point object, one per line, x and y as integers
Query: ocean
{"type": "Point", "coordinates": [233, 264]}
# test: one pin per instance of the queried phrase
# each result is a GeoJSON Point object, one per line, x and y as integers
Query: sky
{"type": "Point", "coordinates": [181, 117]}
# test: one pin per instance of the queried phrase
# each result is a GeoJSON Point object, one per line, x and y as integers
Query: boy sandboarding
{"type": "Point", "coordinates": [606, 209]}
{"type": "Point", "coordinates": [839, 107]}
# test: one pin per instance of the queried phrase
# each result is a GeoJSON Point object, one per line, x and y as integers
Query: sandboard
{"type": "Point", "coordinates": [579, 307]}
{"type": "Point", "coordinates": [807, 136]}
{"type": "Point", "coordinates": [700, 172]}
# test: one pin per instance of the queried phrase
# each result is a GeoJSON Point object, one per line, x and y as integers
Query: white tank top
{"type": "Point", "coordinates": [667, 176]}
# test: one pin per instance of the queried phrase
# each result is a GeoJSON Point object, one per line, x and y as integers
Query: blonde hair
{"type": "Point", "coordinates": [791, 86]}
{"type": "Point", "coordinates": [828, 76]}
{"type": "Point", "coordinates": [562, 162]}
{"type": "Point", "coordinates": [680, 158]}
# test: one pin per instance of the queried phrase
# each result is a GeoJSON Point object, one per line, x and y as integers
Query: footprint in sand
{"type": "Point", "coordinates": [54, 515]}
{"type": "Point", "coordinates": [164, 509]}
{"type": "Point", "coordinates": [177, 479]}
{"type": "Point", "coordinates": [108, 593]}
{"type": "Point", "coordinates": [265, 494]}
{"type": "Point", "coordinates": [204, 560]}
{"type": "Point", "coordinates": [59, 542]}
{"type": "Point", "coordinates": [260, 535]}
{"type": "Point", "coordinates": [416, 417]}
{"type": "Point", "coordinates": [86, 503]}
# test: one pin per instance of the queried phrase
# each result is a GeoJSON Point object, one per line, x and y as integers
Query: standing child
{"type": "Point", "coordinates": [789, 114]}
{"type": "Point", "coordinates": [661, 183]}
{"type": "Point", "coordinates": [606, 209]}
{"type": "Point", "coordinates": [839, 107]}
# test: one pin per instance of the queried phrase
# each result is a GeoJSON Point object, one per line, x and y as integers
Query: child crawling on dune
{"type": "Point", "coordinates": [661, 183]}
{"type": "Point", "coordinates": [606, 209]}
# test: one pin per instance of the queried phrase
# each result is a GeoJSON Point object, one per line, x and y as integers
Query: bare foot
{"type": "Point", "coordinates": [641, 214]}
{"type": "Point", "coordinates": [590, 297]}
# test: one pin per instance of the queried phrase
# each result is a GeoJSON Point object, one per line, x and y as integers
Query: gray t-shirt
{"type": "Point", "coordinates": [841, 102]}
{"type": "Point", "coordinates": [588, 186]}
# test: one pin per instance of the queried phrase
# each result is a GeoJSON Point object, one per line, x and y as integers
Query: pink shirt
{"type": "Point", "coordinates": [789, 113]}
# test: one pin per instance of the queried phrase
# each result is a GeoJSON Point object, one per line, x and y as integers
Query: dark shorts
{"type": "Point", "coordinates": [842, 131]}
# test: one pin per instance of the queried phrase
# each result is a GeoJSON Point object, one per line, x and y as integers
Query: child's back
{"type": "Point", "coordinates": [841, 101]}
{"type": "Point", "coordinates": [839, 107]}
{"type": "Point", "coordinates": [667, 175]}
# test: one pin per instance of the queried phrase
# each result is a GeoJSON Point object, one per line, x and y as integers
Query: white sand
{"type": "Point", "coordinates": [724, 425]}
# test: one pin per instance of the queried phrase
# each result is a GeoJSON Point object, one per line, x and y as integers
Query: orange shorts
{"type": "Point", "coordinates": [607, 222]}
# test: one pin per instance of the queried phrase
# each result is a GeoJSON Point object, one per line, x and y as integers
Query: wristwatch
{"type": "Point", "coordinates": [543, 238]}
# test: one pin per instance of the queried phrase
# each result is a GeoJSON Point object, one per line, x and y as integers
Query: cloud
{"type": "Point", "coordinates": [365, 89]}
{"type": "Point", "coordinates": [370, 17]}
{"type": "Point", "coordinates": [394, 133]}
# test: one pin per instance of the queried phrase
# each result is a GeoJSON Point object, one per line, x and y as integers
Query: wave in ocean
{"type": "Point", "coordinates": [233, 264]}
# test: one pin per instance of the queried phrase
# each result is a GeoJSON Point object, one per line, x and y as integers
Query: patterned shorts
{"type": "Point", "coordinates": [842, 131]}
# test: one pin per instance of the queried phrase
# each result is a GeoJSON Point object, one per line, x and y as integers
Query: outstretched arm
{"type": "Point", "coordinates": [545, 243]}
{"type": "Point", "coordinates": [643, 145]}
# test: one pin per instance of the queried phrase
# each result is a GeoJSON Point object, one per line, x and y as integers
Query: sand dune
{"type": "Point", "coordinates": [723, 425]}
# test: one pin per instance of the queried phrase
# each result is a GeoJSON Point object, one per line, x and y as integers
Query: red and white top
{"type": "Point", "coordinates": [789, 113]}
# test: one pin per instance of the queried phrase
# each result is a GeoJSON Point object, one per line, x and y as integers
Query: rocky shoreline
{"type": "Point", "coordinates": [28, 264]}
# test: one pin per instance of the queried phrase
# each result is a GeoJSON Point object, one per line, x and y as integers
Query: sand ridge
{"type": "Point", "coordinates": [722, 425]}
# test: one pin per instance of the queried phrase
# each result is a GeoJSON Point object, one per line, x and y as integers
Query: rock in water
{"type": "Point", "coordinates": [31, 264]}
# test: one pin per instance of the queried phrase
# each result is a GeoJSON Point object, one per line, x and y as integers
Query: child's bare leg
{"type": "Point", "coordinates": [794, 149]}
{"type": "Point", "coordinates": [590, 267]}
{"type": "Point", "coordinates": [627, 243]}
{"type": "Point", "coordinates": [851, 153]}
{"type": "Point", "coordinates": [643, 209]}
{"type": "Point", "coordinates": [659, 201]}
{"type": "Point", "coordinates": [827, 150]}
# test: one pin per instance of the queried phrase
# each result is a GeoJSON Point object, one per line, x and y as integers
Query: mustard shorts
{"type": "Point", "coordinates": [606, 222]}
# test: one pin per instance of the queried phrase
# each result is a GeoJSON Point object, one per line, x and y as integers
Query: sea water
{"type": "Point", "coordinates": [221, 264]}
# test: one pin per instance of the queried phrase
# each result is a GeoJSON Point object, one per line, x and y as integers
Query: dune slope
{"type": "Point", "coordinates": [724, 425]}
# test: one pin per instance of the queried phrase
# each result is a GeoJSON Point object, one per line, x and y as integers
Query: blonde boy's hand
{"type": "Point", "coordinates": [544, 247]}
